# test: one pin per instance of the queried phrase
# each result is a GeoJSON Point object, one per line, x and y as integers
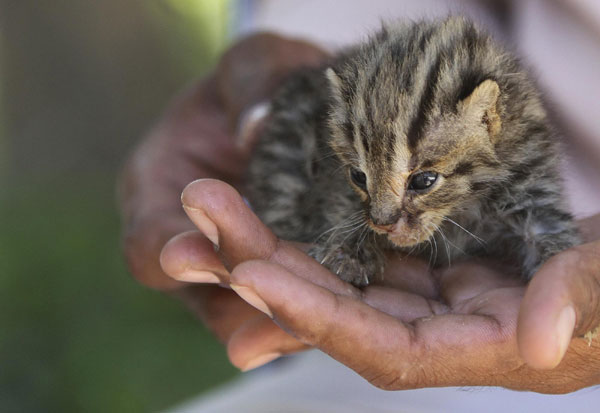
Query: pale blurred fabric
{"type": "Point", "coordinates": [561, 41]}
{"type": "Point", "coordinates": [312, 382]}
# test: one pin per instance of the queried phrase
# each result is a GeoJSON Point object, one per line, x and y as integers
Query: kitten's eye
{"type": "Point", "coordinates": [359, 178]}
{"type": "Point", "coordinates": [422, 181]}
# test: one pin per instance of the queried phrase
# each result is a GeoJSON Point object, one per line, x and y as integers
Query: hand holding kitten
{"type": "Point", "coordinates": [194, 135]}
{"type": "Point", "coordinates": [467, 325]}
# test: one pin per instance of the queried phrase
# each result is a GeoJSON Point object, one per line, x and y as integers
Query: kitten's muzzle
{"type": "Point", "coordinates": [399, 228]}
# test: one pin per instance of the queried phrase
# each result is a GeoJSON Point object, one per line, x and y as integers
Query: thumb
{"type": "Point", "coordinates": [561, 302]}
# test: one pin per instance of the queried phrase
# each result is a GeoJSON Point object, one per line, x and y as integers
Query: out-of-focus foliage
{"type": "Point", "coordinates": [77, 334]}
{"type": "Point", "coordinates": [81, 82]}
{"type": "Point", "coordinates": [205, 20]}
{"type": "Point", "coordinates": [83, 79]}
{"type": "Point", "coordinates": [3, 140]}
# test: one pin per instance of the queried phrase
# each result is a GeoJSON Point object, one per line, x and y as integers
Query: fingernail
{"type": "Point", "coordinates": [564, 330]}
{"type": "Point", "coordinates": [204, 224]}
{"type": "Point", "coordinates": [197, 276]}
{"type": "Point", "coordinates": [260, 361]}
{"type": "Point", "coordinates": [251, 298]}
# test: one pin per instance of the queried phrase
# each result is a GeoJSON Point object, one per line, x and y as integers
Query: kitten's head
{"type": "Point", "coordinates": [417, 138]}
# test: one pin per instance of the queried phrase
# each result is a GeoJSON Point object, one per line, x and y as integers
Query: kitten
{"type": "Point", "coordinates": [428, 139]}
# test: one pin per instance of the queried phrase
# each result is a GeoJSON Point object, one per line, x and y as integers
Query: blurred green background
{"type": "Point", "coordinates": [80, 83]}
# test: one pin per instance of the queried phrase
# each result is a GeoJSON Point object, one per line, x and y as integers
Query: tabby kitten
{"type": "Point", "coordinates": [429, 139]}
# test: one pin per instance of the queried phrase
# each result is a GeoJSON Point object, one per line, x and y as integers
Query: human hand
{"type": "Point", "coordinates": [466, 325]}
{"type": "Point", "coordinates": [204, 133]}
{"type": "Point", "coordinates": [195, 139]}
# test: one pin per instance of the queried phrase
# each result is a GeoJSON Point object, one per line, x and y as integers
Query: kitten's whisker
{"type": "Point", "coordinates": [351, 232]}
{"type": "Point", "coordinates": [356, 227]}
{"type": "Point", "coordinates": [362, 237]}
{"type": "Point", "coordinates": [436, 249]}
{"type": "Point", "coordinates": [345, 224]}
{"type": "Point", "coordinates": [412, 250]}
{"type": "Point", "coordinates": [454, 245]}
{"type": "Point", "coordinates": [409, 253]}
{"type": "Point", "coordinates": [478, 239]}
{"type": "Point", "coordinates": [446, 245]}
{"type": "Point", "coordinates": [348, 222]}
{"type": "Point", "coordinates": [430, 251]}
{"type": "Point", "coordinates": [335, 233]}
{"type": "Point", "coordinates": [332, 154]}
{"type": "Point", "coordinates": [336, 170]}
{"type": "Point", "coordinates": [352, 223]}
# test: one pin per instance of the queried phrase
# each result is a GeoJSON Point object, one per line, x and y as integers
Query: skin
{"type": "Point", "coordinates": [472, 324]}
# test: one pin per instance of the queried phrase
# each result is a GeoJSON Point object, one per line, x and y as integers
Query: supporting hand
{"type": "Point", "coordinates": [456, 327]}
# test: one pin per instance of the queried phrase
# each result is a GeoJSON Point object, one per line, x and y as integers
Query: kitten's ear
{"type": "Point", "coordinates": [482, 104]}
{"type": "Point", "coordinates": [335, 83]}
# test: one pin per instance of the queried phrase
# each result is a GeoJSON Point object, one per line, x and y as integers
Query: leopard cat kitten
{"type": "Point", "coordinates": [429, 139]}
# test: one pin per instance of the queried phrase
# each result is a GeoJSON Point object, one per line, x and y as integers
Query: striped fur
{"type": "Point", "coordinates": [417, 97]}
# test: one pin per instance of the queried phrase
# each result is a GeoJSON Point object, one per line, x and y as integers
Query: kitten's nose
{"type": "Point", "coordinates": [385, 221]}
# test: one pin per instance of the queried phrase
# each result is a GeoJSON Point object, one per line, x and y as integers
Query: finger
{"type": "Point", "coordinates": [561, 301]}
{"type": "Point", "coordinates": [259, 341]}
{"type": "Point", "coordinates": [316, 316]}
{"type": "Point", "coordinates": [439, 350]}
{"type": "Point", "coordinates": [219, 211]}
{"type": "Point", "coordinates": [190, 257]}
{"type": "Point", "coordinates": [222, 216]}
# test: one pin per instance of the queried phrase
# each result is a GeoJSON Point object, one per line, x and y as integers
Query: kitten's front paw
{"type": "Point", "coordinates": [357, 270]}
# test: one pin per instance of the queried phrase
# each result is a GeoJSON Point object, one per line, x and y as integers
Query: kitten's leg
{"type": "Point", "coordinates": [358, 259]}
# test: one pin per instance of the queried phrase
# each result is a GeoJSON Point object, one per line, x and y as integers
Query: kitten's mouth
{"type": "Point", "coordinates": [399, 233]}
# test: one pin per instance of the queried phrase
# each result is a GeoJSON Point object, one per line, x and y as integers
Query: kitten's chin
{"type": "Point", "coordinates": [405, 240]}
